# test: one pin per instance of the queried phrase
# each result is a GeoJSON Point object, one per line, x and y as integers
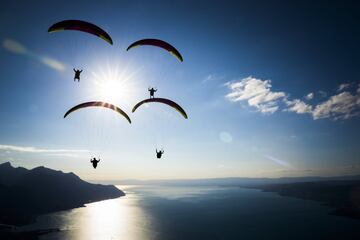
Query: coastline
{"type": "Point", "coordinates": [342, 196]}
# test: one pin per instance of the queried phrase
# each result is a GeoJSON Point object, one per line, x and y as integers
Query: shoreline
{"type": "Point", "coordinates": [343, 197]}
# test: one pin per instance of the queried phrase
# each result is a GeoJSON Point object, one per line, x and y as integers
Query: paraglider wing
{"type": "Point", "coordinates": [98, 104]}
{"type": "Point", "coordinates": [162, 100]}
{"type": "Point", "coordinates": [81, 26]}
{"type": "Point", "coordinates": [157, 43]}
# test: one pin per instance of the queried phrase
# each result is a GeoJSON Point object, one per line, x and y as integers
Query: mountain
{"type": "Point", "coordinates": [25, 194]}
{"type": "Point", "coordinates": [9, 175]}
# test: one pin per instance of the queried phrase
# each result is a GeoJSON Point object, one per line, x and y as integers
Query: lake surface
{"type": "Point", "coordinates": [187, 213]}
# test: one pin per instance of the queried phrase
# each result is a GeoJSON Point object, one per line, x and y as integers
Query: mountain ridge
{"type": "Point", "coordinates": [45, 191]}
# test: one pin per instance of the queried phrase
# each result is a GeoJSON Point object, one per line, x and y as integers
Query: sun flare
{"type": "Point", "coordinates": [115, 85]}
{"type": "Point", "coordinates": [111, 90]}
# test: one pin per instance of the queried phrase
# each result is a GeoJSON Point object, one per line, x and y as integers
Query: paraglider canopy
{"type": "Point", "coordinates": [157, 43]}
{"type": "Point", "coordinates": [98, 104]}
{"type": "Point", "coordinates": [164, 101]}
{"type": "Point", "coordinates": [83, 26]}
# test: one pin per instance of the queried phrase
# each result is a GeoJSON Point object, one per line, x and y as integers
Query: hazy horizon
{"type": "Point", "coordinates": [134, 180]}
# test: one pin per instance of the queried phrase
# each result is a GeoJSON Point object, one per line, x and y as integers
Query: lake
{"type": "Point", "coordinates": [187, 213]}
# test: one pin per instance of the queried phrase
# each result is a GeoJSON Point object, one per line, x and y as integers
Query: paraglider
{"type": "Point", "coordinates": [157, 43]}
{"type": "Point", "coordinates": [94, 162]}
{"type": "Point", "coordinates": [77, 74]}
{"type": "Point", "coordinates": [98, 104]}
{"type": "Point", "coordinates": [159, 153]}
{"type": "Point", "coordinates": [164, 101]}
{"type": "Point", "coordinates": [83, 26]}
{"type": "Point", "coordinates": [152, 91]}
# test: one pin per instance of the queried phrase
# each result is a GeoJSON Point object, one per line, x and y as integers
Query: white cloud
{"type": "Point", "coordinates": [64, 154]}
{"type": "Point", "coordinates": [18, 48]}
{"type": "Point", "coordinates": [341, 106]}
{"type": "Point", "coordinates": [344, 86]}
{"type": "Point", "coordinates": [298, 106]}
{"type": "Point", "coordinates": [256, 92]}
{"type": "Point", "coordinates": [27, 149]}
{"type": "Point", "coordinates": [310, 96]}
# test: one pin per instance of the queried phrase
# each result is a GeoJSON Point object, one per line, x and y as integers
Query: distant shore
{"type": "Point", "coordinates": [343, 196]}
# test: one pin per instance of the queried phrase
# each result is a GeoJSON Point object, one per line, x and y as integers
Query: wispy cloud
{"type": "Point", "coordinates": [279, 161]}
{"type": "Point", "coordinates": [297, 106]}
{"type": "Point", "coordinates": [28, 149]}
{"type": "Point", "coordinates": [211, 78]}
{"type": "Point", "coordinates": [344, 86]}
{"type": "Point", "coordinates": [310, 96]}
{"type": "Point", "coordinates": [352, 169]}
{"type": "Point", "coordinates": [340, 106]}
{"type": "Point", "coordinates": [208, 78]}
{"type": "Point", "coordinates": [65, 154]}
{"type": "Point", "coordinates": [18, 48]}
{"type": "Point", "coordinates": [258, 94]}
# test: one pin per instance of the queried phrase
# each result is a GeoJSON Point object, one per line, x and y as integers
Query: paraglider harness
{"type": "Point", "coordinates": [152, 91]}
{"type": "Point", "coordinates": [159, 153]}
{"type": "Point", "coordinates": [94, 162]}
{"type": "Point", "coordinates": [77, 74]}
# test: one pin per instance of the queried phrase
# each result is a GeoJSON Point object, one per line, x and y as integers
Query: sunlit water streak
{"type": "Point", "coordinates": [110, 219]}
{"type": "Point", "coordinates": [178, 213]}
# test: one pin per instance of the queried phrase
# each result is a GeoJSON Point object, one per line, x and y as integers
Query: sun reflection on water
{"type": "Point", "coordinates": [104, 219]}
{"type": "Point", "coordinates": [115, 219]}
{"type": "Point", "coordinates": [112, 219]}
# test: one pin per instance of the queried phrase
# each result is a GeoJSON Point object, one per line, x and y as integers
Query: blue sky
{"type": "Point", "coordinates": [271, 89]}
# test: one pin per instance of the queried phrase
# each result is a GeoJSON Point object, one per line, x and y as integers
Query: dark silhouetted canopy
{"type": "Point", "coordinates": [98, 104]}
{"type": "Point", "coordinates": [157, 43]}
{"type": "Point", "coordinates": [162, 100]}
{"type": "Point", "coordinates": [81, 26]}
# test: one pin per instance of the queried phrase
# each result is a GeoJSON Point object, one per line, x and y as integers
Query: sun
{"type": "Point", "coordinates": [115, 85]}
{"type": "Point", "coordinates": [111, 91]}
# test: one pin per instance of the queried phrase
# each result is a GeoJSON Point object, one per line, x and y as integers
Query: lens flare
{"type": "Point", "coordinates": [225, 137]}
